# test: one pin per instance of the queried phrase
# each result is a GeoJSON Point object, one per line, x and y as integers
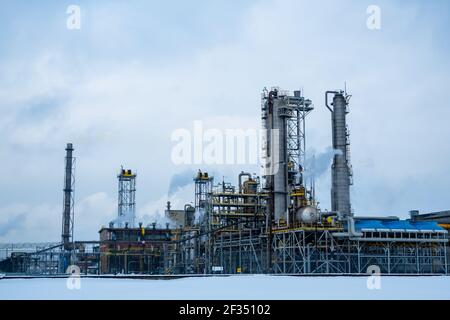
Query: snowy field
{"type": "Point", "coordinates": [230, 288]}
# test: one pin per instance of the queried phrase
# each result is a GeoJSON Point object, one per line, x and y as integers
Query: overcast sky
{"type": "Point", "coordinates": [138, 70]}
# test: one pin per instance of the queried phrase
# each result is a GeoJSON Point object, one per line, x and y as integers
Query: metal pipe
{"type": "Point", "coordinates": [392, 218]}
{"type": "Point", "coordinates": [351, 230]}
{"type": "Point", "coordinates": [242, 174]}
{"type": "Point", "coordinates": [326, 99]}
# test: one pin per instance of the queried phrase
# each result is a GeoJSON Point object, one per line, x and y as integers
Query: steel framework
{"type": "Point", "coordinates": [310, 251]}
{"type": "Point", "coordinates": [298, 109]}
{"type": "Point", "coordinates": [126, 198]}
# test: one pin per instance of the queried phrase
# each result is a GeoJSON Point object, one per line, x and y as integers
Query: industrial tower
{"type": "Point", "coordinates": [341, 170]}
{"type": "Point", "coordinates": [283, 117]}
{"type": "Point", "coordinates": [68, 201]}
{"type": "Point", "coordinates": [126, 198]}
{"type": "Point", "coordinates": [203, 190]}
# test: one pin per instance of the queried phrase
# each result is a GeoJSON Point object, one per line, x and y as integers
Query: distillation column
{"type": "Point", "coordinates": [283, 117]}
{"type": "Point", "coordinates": [341, 173]}
{"type": "Point", "coordinates": [274, 152]}
{"type": "Point", "coordinates": [280, 184]}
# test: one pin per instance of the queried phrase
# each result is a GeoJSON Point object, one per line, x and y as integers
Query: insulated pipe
{"type": "Point", "coordinates": [242, 174]}
{"type": "Point", "coordinates": [326, 99]}
{"type": "Point", "coordinates": [390, 218]}
{"type": "Point", "coordinates": [351, 230]}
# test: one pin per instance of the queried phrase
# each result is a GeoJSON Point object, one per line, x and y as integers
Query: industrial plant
{"type": "Point", "coordinates": [267, 224]}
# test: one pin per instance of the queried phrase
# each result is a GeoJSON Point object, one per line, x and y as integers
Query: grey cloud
{"type": "Point", "coordinates": [12, 224]}
{"type": "Point", "coordinates": [180, 180]}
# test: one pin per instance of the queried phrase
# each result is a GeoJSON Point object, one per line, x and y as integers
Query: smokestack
{"type": "Point", "coordinates": [67, 219]}
{"type": "Point", "coordinates": [341, 176]}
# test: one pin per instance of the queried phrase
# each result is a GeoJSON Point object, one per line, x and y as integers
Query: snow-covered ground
{"type": "Point", "coordinates": [231, 288]}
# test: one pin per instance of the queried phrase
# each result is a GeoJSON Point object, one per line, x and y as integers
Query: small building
{"type": "Point", "coordinates": [134, 250]}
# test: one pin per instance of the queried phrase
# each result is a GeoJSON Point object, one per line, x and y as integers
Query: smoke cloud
{"type": "Point", "coordinates": [318, 165]}
{"type": "Point", "coordinates": [180, 180]}
{"type": "Point", "coordinates": [199, 215]}
{"type": "Point", "coordinates": [159, 218]}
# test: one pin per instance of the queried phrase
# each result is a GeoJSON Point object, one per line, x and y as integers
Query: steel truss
{"type": "Point", "coordinates": [307, 252]}
{"type": "Point", "coordinates": [243, 251]}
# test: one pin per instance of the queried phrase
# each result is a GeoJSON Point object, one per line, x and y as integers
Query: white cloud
{"type": "Point", "coordinates": [123, 110]}
{"type": "Point", "coordinates": [92, 213]}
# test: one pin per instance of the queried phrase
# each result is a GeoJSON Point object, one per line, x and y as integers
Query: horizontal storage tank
{"type": "Point", "coordinates": [307, 215]}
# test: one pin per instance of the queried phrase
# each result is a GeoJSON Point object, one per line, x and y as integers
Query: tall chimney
{"type": "Point", "coordinates": [67, 218]}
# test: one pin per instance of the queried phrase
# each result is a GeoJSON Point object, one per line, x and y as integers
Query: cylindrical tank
{"type": "Point", "coordinates": [250, 186]}
{"type": "Point", "coordinates": [307, 214]}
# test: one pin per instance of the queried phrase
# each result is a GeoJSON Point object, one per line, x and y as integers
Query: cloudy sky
{"type": "Point", "coordinates": [138, 70]}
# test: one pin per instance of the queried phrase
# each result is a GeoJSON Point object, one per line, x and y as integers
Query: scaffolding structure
{"type": "Point", "coordinates": [241, 216]}
{"type": "Point", "coordinates": [306, 251]}
{"type": "Point", "coordinates": [126, 198]}
{"type": "Point", "coordinates": [297, 108]}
